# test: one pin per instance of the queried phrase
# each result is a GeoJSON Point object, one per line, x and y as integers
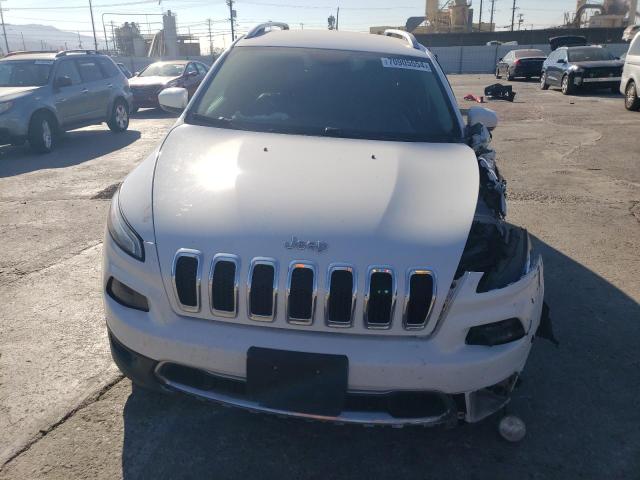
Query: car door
{"type": "Point", "coordinates": [70, 99]}
{"type": "Point", "coordinates": [551, 68]}
{"type": "Point", "coordinates": [97, 94]}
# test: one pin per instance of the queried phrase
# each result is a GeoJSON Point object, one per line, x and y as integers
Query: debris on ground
{"type": "Point", "coordinates": [472, 98]}
{"type": "Point", "coordinates": [497, 91]}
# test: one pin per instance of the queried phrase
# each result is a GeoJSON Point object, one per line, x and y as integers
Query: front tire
{"type": "Point", "coordinates": [543, 82]}
{"type": "Point", "coordinates": [631, 100]}
{"type": "Point", "coordinates": [567, 87]}
{"type": "Point", "coordinates": [509, 76]}
{"type": "Point", "coordinates": [42, 132]}
{"type": "Point", "coordinates": [498, 76]}
{"type": "Point", "coordinates": [119, 120]}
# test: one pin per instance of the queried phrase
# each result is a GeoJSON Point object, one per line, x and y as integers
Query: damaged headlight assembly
{"type": "Point", "coordinates": [122, 233]}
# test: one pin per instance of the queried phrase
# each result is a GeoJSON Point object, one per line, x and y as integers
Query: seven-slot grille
{"type": "Point", "coordinates": [301, 291]}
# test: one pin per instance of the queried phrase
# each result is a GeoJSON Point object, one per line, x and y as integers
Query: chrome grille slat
{"type": "Point", "coordinates": [378, 311]}
{"type": "Point", "coordinates": [181, 272]}
{"type": "Point", "coordinates": [297, 293]}
{"type": "Point", "coordinates": [415, 306]}
{"type": "Point", "coordinates": [337, 299]}
{"type": "Point", "coordinates": [261, 297]}
{"type": "Point", "coordinates": [218, 285]}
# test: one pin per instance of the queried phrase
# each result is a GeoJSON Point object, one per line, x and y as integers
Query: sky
{"type": "Point", "coordinates": [192, 15]}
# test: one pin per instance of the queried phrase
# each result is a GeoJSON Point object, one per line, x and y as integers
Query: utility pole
{"type": "Point", "coordinates": [338, 19]}
{"type": "Point", "coordinates": [232, 19]}
{"type": "Point", "coordinates": [520, 21]}
{"type": "Point", "coordinates": [4, 31]}
{"type": "Point", "coordinates": [480, 20]}
{"type": "Point", "coordinates": [302, 26]}
{"type": "Point", "coordinates": [24, 45]}
{"type": "Point", "coordinates": [513, 15]}
{"type": "Point", "coordinates": [95, 39]}
{"type": "Point", "coordinates": [79, 41]}
{"type": "Point", "coordinates": [210, 39]}
{"type": "Point", "coordinates": [113, 36]}
{"type": "Point", "coordinates": [493, 9]}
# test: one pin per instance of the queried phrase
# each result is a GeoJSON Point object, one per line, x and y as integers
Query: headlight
{"type": "Point", "coordinates": [5, 106]}
{"type": "Point", "coordinates": [122, 233]}
{"type": "Point", "coordinates": [576, 69]}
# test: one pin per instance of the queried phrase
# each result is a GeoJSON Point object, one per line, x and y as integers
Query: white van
{"type": "Point", "coordinates": [631, 76]}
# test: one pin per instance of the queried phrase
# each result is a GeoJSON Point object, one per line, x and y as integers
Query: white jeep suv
{"type": "Point", "coordinates": [320, 235]}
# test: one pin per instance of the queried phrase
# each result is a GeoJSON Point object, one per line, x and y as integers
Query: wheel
{"type": "Point", "coordinates": [119, 120]}
{"type": "Point", "coordinates": [42, 132]}
{"type": "Point", "coordinates": [509, 76]}
{"type": "Point", "coordinates": [543, 82]}
{"type": "Point", "coordinates": [631, 100]}
{"type": "Point", "coordinates": [567, 87]}
{"type": "Point", "coordinates": [498, 76]}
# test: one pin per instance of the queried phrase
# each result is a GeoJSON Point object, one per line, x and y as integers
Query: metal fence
{"type": "Point", "coordinates": [464, 59]}
{"type": "Point", "coordinates": [483, 59]}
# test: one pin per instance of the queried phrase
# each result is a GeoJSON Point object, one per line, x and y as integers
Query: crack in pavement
{"type": "Point", "coordinates": [82, 405]}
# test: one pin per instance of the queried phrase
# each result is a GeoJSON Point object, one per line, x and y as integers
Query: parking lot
{"type": "Point", "coordinates": [572, 164]}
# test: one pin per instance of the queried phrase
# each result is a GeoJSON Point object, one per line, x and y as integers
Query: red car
{"type": "Point", "coordinates": [147, 84]}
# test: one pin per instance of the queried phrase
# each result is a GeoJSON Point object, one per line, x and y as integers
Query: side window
{"type": "Point", "coordinates": [201, 68]}
{"type": "Point", "coordinates": [68, 69]}
{"type": "Point", "coordinates": [553, 57]}
{"type": "Point", "coordinates": [109, 69]}
{"type": "Point", "coordinates": [191, 69]}
{"type": "Point", "coordinates": [634, 49]}
{"type": "Point", "coordinates": [89, 70]}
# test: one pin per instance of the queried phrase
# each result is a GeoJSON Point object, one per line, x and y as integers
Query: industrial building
{"type": "Point", "coordinates": [130, 42]}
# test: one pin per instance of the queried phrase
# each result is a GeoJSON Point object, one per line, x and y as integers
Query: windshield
{"type": "Point", "coordinates": [163, 70]}
{"type": "Point", "coordinates": [589, 54]}
{"type": "Point", "coordinates": [529, 53]}
{"type": "Point", "coordinates": [328, 93]}
{"type": "Point", "coordinates": [25, 73]}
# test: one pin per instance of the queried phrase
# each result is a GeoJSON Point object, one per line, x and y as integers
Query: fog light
{"type": "Point", "coordinates": [577, 80]}
{"type": "Point", "coordinates": [126, 296]}
{"type": "Point", "coordinates": [497, 333]}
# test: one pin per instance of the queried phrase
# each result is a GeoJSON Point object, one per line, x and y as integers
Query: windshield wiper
{"type": "Point", "coordinates": [223, 122]}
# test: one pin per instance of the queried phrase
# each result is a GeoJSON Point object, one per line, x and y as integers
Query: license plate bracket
{"type": "Point", "coordinates": [310, 383]}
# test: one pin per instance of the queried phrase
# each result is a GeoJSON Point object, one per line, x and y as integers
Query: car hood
{"type": "Point", "coordinates": [374, 203]}
{"type": "Point", "coordinates": [9, 93]}
{"type": "Point", "coordinates": [143, 81]}
{"type": "Point", "coordinates": [599, 64]}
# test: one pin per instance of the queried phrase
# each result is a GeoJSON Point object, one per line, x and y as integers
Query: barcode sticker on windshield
{"type": "Point", "coordinates": [43, 62]}
{"type": "Point", "coordinates": [406, 64]}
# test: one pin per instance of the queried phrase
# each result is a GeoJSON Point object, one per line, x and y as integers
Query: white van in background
{"type": "Point", "coordinates": [630, 84]}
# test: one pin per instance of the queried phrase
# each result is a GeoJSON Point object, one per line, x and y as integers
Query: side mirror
{"type": "Point", "coordinates": [62, 82]}
{"type": "Point", "coordinates": [192, 74]}
{"type": "Point", "coordinates": [135, 74]}
{"type": "Point", "coordinates": [173, 100]}
{"type": "Point", "coordinates": [482, 115]}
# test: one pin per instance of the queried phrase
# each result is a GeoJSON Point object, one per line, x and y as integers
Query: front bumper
{"type": "Point", "coordinates": [13, 126]}
{"type": "Point", "coordinates": [465, 378]}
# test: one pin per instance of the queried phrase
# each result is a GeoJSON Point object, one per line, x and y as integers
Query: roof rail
{"type": "Point", "coordinates": [24, 52]}
{"type": "Point", "coordinates": [262, 28]}
{"type": "Point", "coordinates": [410, 39]}
{"type": "Point", "coordinates": [66, 52]}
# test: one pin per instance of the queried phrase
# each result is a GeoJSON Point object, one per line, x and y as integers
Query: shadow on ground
{"type": "Point", "coordinates": [579, 402]}
{"type": "Point", "coordinates": [152, 113]}
{"type": "Point", "coordinates": [73, 148]}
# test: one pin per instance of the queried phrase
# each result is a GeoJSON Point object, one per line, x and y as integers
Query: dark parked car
{"type": "Point", "coordinates": [45, 93]}
{"type": "Point", "coordinates": [521, 63]}
{"type": "Point", "coordinates": [573, 68]}
{"type": "Point", "coordinates": [147, 84]}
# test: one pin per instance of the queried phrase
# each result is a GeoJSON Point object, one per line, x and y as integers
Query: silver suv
{"type": "Point", "coordinates": [43, 94]}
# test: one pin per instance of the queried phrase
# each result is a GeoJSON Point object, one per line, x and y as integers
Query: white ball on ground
{"type": "Point", "coordinates": [512, 428]}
